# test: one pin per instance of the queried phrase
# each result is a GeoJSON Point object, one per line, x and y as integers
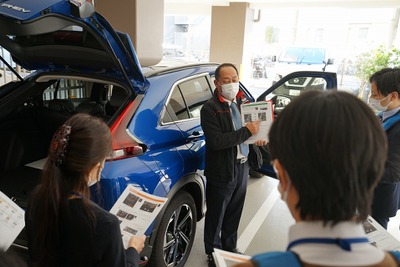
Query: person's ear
{"type": "Point", "coordinates": [395, 95]}
{"type": "Point", "coordinates": [216, 84]}
{"type": "Point", "coordinates": [283, 177]}
{"type": "Point", "coordinates": [94, 169]}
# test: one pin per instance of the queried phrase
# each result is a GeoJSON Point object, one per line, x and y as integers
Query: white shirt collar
{"type": "Point", "coordinates": [331, 254]}
{"type": "Point", "coordinates": [389, 113]}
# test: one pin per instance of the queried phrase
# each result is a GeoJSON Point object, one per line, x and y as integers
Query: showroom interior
{"type": "Point", "coordinates": [265, 218]}
{"type": "Point", "coordinates": [241, 32]}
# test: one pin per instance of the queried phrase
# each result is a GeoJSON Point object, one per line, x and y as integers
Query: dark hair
{"type": "Point", "coordinates": [224, 65]}
{"type": "Point", "coordinates": [387, 80]}
{"type": "Point", "coordinates": [76, 147]}
{"type": "Point", "coordinates": [334, 150]}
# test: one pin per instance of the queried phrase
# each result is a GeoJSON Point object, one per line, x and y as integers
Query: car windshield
{"type": "Point", "coordinates": [303, 55]}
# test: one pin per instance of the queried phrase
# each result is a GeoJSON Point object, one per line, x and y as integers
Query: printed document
{"type": "Point", "coordinates": [136, 210]}
{"type": "Point", "coordinates": [378, 236]}
{"type": "Point", "coordinates": [11, 221]}
{"type": "Point", "coordinates": [224, 258]}
{"type": "Point", "coordinates": [255, 111]}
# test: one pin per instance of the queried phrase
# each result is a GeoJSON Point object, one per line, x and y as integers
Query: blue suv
{"type": "Point", "coordinates": [77, 63]}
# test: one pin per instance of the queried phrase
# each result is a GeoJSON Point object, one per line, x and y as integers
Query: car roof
{"type": "Point", "coordinates": [173, 66]}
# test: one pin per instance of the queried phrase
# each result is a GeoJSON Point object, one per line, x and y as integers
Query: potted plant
{"type": "Point", "coordinates": [369, 62]}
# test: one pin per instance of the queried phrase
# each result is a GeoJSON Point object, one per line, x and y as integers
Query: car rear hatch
{"type": "Point", "coordinates": [67, 35]}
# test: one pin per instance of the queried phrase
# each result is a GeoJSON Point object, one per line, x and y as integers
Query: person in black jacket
{"type": "Point", "coordinates": [385, 98]}
{"type": "Point", "coordinates": [226, 165]}
{"type": "Point", "coordinates": [65, 228]}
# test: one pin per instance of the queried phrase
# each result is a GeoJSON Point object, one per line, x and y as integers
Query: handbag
{"type": "Point", "coordinates": [255, 157]}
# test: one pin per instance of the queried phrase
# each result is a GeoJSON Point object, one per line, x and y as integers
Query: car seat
{"type": "Point", "coordinates": [118, 97]}
{"type": "Point", "coordinates": [91, 108]}
{"type": "Point", "coordinates": [62, 105]}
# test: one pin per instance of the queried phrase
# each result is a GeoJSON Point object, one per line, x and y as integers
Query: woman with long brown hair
{"type": "Point", "coordinates": [64, 227]}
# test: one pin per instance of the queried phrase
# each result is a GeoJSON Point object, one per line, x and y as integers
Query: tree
{"type": "Point", "coordinates": [370, 62]}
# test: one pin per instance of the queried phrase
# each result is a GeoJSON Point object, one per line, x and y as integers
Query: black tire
{"type": "Point", "coordinates": [176, 232]}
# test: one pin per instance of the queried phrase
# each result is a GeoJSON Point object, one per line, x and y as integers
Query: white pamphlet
{"type": "Point", "coordinates": [255, 111]}
{"type": "Point", "coordinates": [224, 258]}
{"type": "Point", "coordinates": [136, 210]}
{"type": "Point", "coordinates": [378, 236]}
{"type": "Point", "coordinates": [11, 221]}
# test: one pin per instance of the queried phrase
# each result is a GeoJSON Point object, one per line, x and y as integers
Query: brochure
{"type": "Point", "coordinates": [11, 221]}
{"type": "Point", "coordinates": [136, 210]}
{"type": "Point", "coordinates": [224, 258]}
{"type": "Point", "coordinates": [261, 111]}
{"type": "Point", "coordinates": [378, 236]}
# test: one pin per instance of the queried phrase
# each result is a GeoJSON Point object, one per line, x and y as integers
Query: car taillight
{"type": "Point", "coordinates": [122, 143]}
{"type": "Point", "coordinates": [126, 152]}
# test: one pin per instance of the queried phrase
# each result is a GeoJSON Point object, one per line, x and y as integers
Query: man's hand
{"type": "Point", "coordinates": [253, 126]}
{"type": "Point", "coordinates": [260, 142]}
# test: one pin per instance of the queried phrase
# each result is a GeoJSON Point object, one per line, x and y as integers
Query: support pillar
{"type": "Point", "coordinates": [142, 20]}
{"type": "Point", "coordinates": [230, 35]}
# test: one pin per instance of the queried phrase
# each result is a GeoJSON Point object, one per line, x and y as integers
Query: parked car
{"type": "Point", "coordinates": [302, 58]}
{"type": "Point", "coordinates": [78, 63]}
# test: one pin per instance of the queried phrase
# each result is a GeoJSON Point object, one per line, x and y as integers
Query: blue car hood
{"type": "Point", "coordinates": [67, 35]}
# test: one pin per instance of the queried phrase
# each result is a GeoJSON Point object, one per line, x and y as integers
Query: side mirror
{"type": "Point", "coordinates": [280, 103]}
{"type": "Point", "coordinates": [273, 59]}
{"type": "Point", "coordinates": [330, 61]}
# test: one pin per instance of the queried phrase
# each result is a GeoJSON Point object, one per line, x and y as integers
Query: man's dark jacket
{"type": "Point", "coordinates": [221, 138]}
{"type": "Point", "coordinates": [392, 167]}
{"type": "Point", "coordinates": [386, 200]}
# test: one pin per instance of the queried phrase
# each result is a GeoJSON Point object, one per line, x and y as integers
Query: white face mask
{"type": "Point", "coordinates": [376, 104]}
{"type": "Point", "coordinates": [284, 195]}
{"type": "Point", "coordinates": [94, 181]}
{"type": "Point", "coordinates": [229, 90]}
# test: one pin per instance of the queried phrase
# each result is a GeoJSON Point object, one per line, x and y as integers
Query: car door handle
{"type": "Point", "coordinates": [196, 134]}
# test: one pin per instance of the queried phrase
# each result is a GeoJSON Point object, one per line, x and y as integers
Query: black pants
{"type": "Point", "coordinates": [385, 203]}
{"type": "Point", "coordinates": [225, 202]}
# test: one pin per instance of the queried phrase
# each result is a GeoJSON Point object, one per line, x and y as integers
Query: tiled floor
{"type": "Point", "coordinates": [264, 224]}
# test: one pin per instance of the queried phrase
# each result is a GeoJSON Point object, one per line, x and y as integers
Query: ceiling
{"type": "Point", "coordinates": [204, 6]}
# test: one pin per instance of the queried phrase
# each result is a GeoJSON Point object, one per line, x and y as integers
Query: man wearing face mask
{"type": "Point", "coordinates": [385, 92]}
{"type": "Point", "coordinates": [226, 166]}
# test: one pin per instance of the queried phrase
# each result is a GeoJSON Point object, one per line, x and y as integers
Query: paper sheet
{"type": "Point", "coordinates": [254, 111]}
{"type": "Point", "coordinates": [136, 210]}
{"type": "Point", "coordinates": [378, 236]}
{"type": "Point", "coordinates": [224, 258]}
{"type": "Point", "coordinates": [11, 221]}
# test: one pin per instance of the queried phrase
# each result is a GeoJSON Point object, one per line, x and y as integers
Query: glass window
{"type": "Point", "coordinates": [68, 89]}
{"type": "Point", "coordinates": [187, 99]}
{"type": "Point", "coordinates": [77, 96]}
{"type": "Point", "coordinates": [295, 86]}
{"type": "Point", "coordinates": [195, 92]}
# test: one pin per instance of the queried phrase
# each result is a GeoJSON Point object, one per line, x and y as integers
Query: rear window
{"type": "Point", "coordinates": [78, 96]}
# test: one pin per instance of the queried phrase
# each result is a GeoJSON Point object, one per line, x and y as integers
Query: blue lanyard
{"type": "Point", "coordinates": [343, 243]}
